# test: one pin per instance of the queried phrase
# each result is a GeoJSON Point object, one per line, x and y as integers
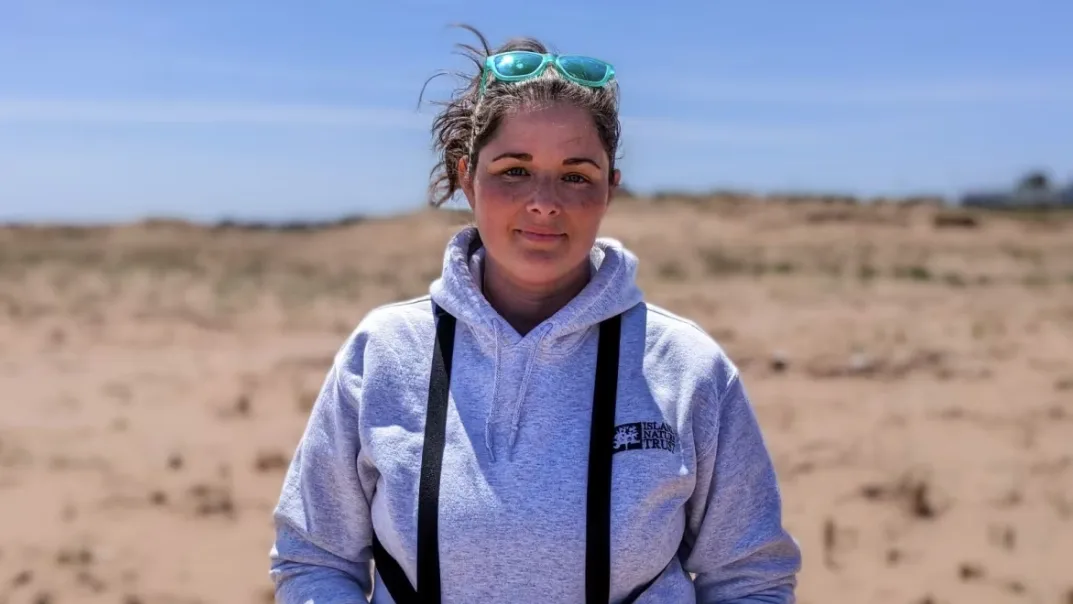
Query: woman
{"type": "Point", "coordinates": [531, 431]}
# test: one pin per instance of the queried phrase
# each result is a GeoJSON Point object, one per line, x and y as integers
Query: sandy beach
{"type": "Point", "coordinates": [912, 367]}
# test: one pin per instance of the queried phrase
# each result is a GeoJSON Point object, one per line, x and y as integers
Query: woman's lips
{"type": "Point", "coordinates": [539, 236]}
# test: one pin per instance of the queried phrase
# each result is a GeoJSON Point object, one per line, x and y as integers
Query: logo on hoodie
{"type": "Point", "coordinates": [644, 435]}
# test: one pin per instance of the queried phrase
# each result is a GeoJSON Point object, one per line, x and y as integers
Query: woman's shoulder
{"type": "Point", "coordinates": [686, 348]}
{"type": "Point", "coordinates": [398, 314]}
{"type": "Point", "coordinates": [391, 323]}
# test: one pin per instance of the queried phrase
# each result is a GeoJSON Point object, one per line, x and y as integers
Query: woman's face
{"type": "Point", "coordinates": [539, 193]}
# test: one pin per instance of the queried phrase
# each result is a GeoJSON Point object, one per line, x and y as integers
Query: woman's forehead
{"type": "Point", "coordinates": [546, 129]}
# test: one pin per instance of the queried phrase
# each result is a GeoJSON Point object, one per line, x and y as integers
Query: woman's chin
{"type": "Point", "coordinates": [539, 268]}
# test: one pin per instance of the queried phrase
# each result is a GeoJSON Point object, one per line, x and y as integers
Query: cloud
{"type": "Point", "coordinates": [953, 90]}
{"type": "Point", "coordinates": [213, 113]}
{"type": "Point", "coordinates": [28, 111]}
{"type": "Point", "coordinates": [737, 133]}
{"type": "Point", "coordinates": [278, 73]}
{"type": "Point", "coordinates": [688, 130]}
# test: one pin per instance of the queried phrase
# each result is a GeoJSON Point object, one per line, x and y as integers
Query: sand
{"type": "Point", "coordinates": [913, 375]}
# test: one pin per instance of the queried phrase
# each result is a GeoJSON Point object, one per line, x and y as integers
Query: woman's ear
{"type": "Point", "coordinates": [465, 181]}
{"type": "Point", "coordinates": [616, 179]}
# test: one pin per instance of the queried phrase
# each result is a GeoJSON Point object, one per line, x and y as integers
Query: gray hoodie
{"type": "Point", "coordinates": [694, 488]}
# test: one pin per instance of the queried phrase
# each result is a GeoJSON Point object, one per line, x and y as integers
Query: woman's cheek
{"type": "Point", "coordinates": [507, 190]}
{"type": "Point", "coordinates": [584, 195]}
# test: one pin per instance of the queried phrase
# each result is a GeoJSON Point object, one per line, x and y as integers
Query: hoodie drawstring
{"type": "Point", "coordinates": [488, 444]}
{"type": "Point", "coordinates": [517, 412]}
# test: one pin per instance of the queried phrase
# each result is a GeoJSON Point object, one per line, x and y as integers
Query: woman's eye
{"type": "Point", "coordinates": [576, 178]}
{"type": "Point", "coordinates": [515, 172]}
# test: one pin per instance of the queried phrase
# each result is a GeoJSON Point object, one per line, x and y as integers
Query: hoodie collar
{"type": "Point", "coordinates": [611, 290]}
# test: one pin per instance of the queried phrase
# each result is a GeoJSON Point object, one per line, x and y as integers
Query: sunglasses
{"type": "Point", "coordinates": [520, 65]}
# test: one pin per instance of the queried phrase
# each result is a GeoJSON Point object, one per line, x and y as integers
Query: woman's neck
{"type": "Point", "coordinates": [525, 305]}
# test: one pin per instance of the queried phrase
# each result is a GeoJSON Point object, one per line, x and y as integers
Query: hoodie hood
{"type": "Point", "coordinates": [611, 290]}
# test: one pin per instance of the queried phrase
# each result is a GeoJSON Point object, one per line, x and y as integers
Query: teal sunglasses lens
{"type": "Point", "coordinates": [586, 69]}
{"type": "Point", "coordinates": [516, 64]}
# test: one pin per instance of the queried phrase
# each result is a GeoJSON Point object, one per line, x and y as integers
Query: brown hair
{"type": "Point", "coordinates": [464, 126]}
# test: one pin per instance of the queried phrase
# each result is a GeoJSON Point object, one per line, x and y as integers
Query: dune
{"type": "Point", "coordinates": [911, 364]}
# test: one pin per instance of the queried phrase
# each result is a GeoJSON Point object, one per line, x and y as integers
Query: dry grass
{"type": "Point", "coordinates": [912, 367]}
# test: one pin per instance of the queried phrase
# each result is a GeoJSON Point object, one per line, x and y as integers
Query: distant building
{"type": "Point", "coordinates": [1065, 196]}
{"type": "Point", "coordinates": [1033, 191]}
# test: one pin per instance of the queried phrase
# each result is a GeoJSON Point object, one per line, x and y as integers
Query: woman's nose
{"type": "Point", "coordinates": [545, 200]}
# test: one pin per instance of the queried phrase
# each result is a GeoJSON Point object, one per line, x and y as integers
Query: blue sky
{"type": "Point", "coordinates": [121, 109]}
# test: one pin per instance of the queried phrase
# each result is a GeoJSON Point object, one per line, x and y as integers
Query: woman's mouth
{"type": "Point", "coordinates": [539, 235]}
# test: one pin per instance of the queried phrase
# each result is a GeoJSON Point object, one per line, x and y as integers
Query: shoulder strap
{"type": "Point", "coordinates": [428, 505]}
{"type": "Point", "coordinates": [601, 441]}
{"type": "Point", "coordinates": [602, 434]}
{"type": "Point", "coordinates": [428, 502]}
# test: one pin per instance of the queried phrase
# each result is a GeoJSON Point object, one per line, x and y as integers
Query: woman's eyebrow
{"type": "Point", "coordinates": [573, 161]}
{"type": "Point", "coordinates": [570, 161]}
{"type": "Point", "coordinates": [513, 155]}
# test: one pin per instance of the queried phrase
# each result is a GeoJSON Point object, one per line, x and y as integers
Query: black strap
{"type": "Point", "coordinates": [598, 524]}
{"type": "Point", "coordinates": [602, 434]}
{"type": "Point", "coordinates": [393, 576]}
{"type": "Point", "coordinates": [428, 505]}
{"type": "Point", "coordinates": [428, 502]}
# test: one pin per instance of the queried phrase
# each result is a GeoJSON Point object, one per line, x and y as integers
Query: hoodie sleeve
{"type": "Point", "coordinates": [735, 542]}
{"type": "Point", "coordinates": [323, 531]}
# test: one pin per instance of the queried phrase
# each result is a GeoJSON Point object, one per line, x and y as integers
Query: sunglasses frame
{"type": "Point", "coordinates": [546, 59]}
